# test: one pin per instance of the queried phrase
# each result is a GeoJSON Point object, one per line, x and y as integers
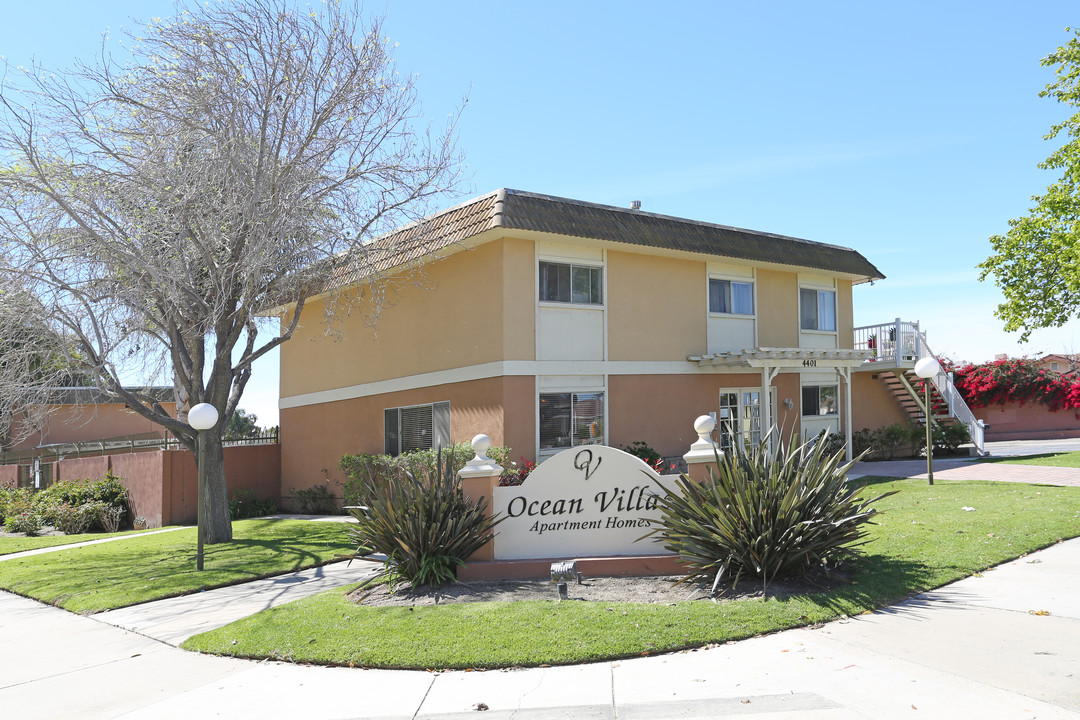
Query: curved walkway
{"type": "Point", "coordinates": [1001, 645]}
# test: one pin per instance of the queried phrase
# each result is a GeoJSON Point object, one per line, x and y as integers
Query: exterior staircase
{"type": "Point", "coordinates": [896, 347]}
{"type": "Point", "coordinates": [906, 387]}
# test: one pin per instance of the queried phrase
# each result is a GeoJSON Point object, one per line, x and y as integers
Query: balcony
{"type": "Point", "coordinates": [897, 344]}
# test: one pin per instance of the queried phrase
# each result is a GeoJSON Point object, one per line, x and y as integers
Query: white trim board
{"type": "Point", "coordinates": [528, 368]}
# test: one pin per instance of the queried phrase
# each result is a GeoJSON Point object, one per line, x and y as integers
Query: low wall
{"type": "Point", "coordinates": [9, 476]}
{"type": "Point", "coordinates": [163, 484]}
{"type": "Point", "coordinates": [1032, 421]}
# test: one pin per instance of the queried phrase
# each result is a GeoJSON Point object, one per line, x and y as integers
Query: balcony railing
{"type": "Point", "coordinates": [894, 343]}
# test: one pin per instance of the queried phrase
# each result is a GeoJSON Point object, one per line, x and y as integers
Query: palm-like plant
{"type": "Point", "coordinates": [423, 526]}
{"type": "Point", "coordinates": [765, 513]}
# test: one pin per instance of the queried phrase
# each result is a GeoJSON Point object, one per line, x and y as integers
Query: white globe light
{"type": "Point", "coordinates": [203, 416]}
{"type": "Point", "coordinates": [927, 367]}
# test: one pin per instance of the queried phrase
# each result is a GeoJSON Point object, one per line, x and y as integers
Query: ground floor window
{"type": "Point", "coordinates": [417, 427]}
{"type": "Point", "coordinates": [569, 419]}
{"type": "Point", "coordinates": [819, 400]}
{"type": "Point", "coordinates": [740, 416]}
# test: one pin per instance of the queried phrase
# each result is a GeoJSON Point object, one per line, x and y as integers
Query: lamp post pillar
{"type": "Point", "coordinates": [927, 368]}
{"type": "Point", "coordinates": [201, 418]}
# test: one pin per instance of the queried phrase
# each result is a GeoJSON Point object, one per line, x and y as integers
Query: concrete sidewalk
{"type": "Point", "coordinates": [1004, 645]}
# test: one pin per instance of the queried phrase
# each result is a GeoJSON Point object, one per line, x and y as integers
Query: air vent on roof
{"type": "Point", "coordinates": [635, 204]}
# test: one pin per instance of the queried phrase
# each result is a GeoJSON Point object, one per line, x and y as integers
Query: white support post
{"type": "Point", "coordinates": [845, 374]}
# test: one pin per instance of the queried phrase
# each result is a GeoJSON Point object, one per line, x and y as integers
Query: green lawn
{"type": "Point", "coordinates": [10, 545]}
{"type": "Point", "coordinates": [1068, 460]}
{"type": "Point", "coordinates": [923, 540]}
{"type": "Point", "coordinates": [111, 575]}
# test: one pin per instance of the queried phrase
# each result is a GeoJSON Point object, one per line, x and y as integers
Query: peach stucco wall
{"type": "Point", "coordinates": [70, 423]}
{"type": "Point", "coordinates": [657, 307]}
{"type": "Point", "coordinates": [315, 437]}
{"type": "Point", "coordinates": [163, 484]}
{"type": "Point", "coordinates": [660, 409]}
{"type": "Point", "coordinates": [1013, 421]}
{"type": "Point", "coordinates": [873, 404]}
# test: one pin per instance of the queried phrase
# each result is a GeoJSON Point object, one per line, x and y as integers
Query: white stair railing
{"type": "Point", "coordinates": [954, 401]}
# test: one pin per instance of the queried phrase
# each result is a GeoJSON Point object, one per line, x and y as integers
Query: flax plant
{"type": "Point", "coordinates": [422, 525]}
{"type": "Point", "coordinates": [767, 513]}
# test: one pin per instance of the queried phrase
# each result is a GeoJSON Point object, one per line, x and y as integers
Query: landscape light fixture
{"type": "Point", "coordinates": [927, 368]}
{"type": "Point", "coordinates": [201, 417]}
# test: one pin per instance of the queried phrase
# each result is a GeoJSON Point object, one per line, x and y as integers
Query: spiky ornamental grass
{"type": "Point", "coordinates": [424, 526]}
{"type": "Point", "coordinates": [767, 513]}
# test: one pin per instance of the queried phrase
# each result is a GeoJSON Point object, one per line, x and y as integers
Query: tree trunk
{"type": "Point", "coordinates": [218, 524]}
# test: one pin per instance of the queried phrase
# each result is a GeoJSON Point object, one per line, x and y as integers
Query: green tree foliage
{"type": "Point", "coordinates": [241, 425]}
{"type": "Point", "coordinates": [1037, 262]}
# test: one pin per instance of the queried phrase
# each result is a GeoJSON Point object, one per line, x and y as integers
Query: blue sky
{"type": "Point", "coordinates": [909, 131]}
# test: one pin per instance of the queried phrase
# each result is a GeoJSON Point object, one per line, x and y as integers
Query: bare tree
{"type": "Point", "coordinates": [236, 156]}
{"type": "Point", "coordinates": [34, 367]}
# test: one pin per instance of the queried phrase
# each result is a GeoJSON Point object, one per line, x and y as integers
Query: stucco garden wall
{"type": "Point", "coordinates": [1032, 421]}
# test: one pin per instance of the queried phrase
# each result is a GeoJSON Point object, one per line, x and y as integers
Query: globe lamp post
{"type": "Point", "coordinates": [202, 417]}
{"type": "Point", "coordinates": [927, 368]}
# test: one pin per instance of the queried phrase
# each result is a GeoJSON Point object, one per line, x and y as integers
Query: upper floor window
{"type": "Point", "coordinates": [731, 296]}
{"type": "Point", "coordinates": [419, 427]}
{"type": "Point", "coordinates": [817, 309]}
{"type": "Point", "coordinates": [567, 283]}
{"type": "Point", "coordinates": [819, 400]}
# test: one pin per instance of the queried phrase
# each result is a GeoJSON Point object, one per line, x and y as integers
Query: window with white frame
{"type": "Point", "coordinates": [740, 417]}
{"type": "Point", "coordinates": [731, 297]}
{"type": "Point", "coordinates": [417, 427]}
{"type": "Point", "coordinates": [819, 400]}
{"type": "Point", "coordinates": [571, 283]}
{"type": "Point", "coordinates": [569, 419]}
{"type": "Point", "coordinates": [817, 309]}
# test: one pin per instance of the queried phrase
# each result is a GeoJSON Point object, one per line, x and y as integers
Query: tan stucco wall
{"type": "Point", "coordinates": [845, 316]}
{"type": "Point", "coordinates": [778, 308]}
{"type": "Point", "coordinates": [873, 405]}
{"type": "Point", "coordinates": [315, 437]}
{"type": "Point", "coordinates": [657, 307]}
{"type": "Point", "coordinates": [449, 317]}
{"type": "Point", "coordinates": [518, 299]}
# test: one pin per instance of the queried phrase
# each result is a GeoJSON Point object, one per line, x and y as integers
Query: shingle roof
{"type": "Point", "coordinates": [520, 210]}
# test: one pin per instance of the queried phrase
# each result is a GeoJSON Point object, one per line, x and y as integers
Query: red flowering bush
{"type": "Point", "coordinates": [1018, 380]}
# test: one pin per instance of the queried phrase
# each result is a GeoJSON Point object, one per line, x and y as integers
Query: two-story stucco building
{"type": "Point", "coordinates": [546, 323]}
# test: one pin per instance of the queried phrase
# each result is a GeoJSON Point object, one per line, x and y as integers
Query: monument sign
{"type": "Point", "coordinates": [587, 501]}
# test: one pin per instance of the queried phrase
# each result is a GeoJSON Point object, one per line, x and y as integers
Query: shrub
{"type": "Point", "coordinates": [243, 504]}
{"type": "Point", "coordinates": [14, 501]}
{"type": "Point", "coordinates": [862, 443]}
{"type": "Point", "coordinates": [515, 473]}
{"type": "Point", "coordinates": [641, 450]}
{"type": "Point", "coordinates": [365, 471]}
{"type": "Point", "coordinates": [423, 525]}
{"type": "Point", "coordinates": [24, 522]}
{"type": "Point", "coordinates": [316, 500]}
{"type": "Point", "coordinates": [834, 442]}
{"type": "Point", "coordinates": [109, 516]}
{"type": "Point", "coordinates": [948, 435]}
{"type": "Point", "coordinates": [766, 514]}
{"type": "Point", "coordinates": [109, 491]}
{"type": "Point", "coordinates": [71, 519]}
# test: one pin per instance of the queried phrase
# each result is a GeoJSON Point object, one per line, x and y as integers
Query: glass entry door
{"type": "Point", "coordinates": [740, 416]}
